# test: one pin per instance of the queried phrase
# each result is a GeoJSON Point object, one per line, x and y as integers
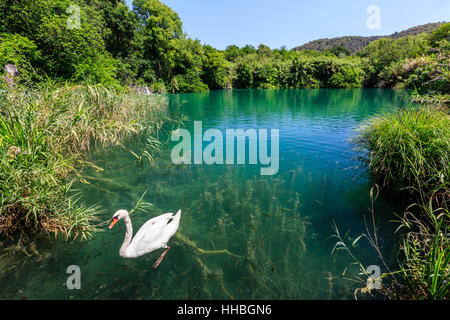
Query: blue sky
{"type": "Point", "coordinates": [294, 22]}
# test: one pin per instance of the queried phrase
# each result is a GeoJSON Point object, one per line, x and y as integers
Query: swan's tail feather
{"type": "Point", "coordinates": [177, 216]}
{"type": "Point", "coordinates": [173, 225]}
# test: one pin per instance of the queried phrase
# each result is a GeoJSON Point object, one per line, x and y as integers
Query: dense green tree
{"type": "Point", "coordinates": [265, 76]}
{"type": "Point", "coordinates": [122, 24]}
{"type": "Point", "coordinates": [244, 76]}
{"type": "Point", "coordinates": [232, 53]}
{"type": "Point", "coordinates": [264, 51]}
{"type": "Point", "coordinates": [347, 76]}
{"type": "Point", "coordinates": [147, 46]}
{"type": "Point", "coordinates": [340, 51]}
{"type": "Point", "coordinates": [380, 54]}
{"type": "Point", "coordinates": [160, 32]}
{"type": "Point", "coordinates": [440, 35]}
{"type": "Point", "coordinates": [215, 69]}
{"type": "Point", "coordinates": [187, 61]}
{"type": "Point", "coordinates": [20, 51]}
{"type": "Point", "coordinates": [46, 23]}
{"type": "Point", "coordinates": [302, 74]}
{"type": "Point", "coordinates": [248, 49]}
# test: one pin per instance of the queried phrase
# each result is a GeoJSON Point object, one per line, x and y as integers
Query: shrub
{"type": "Point", "coordinates": [408, 148]}
{"type": "Point", "coordinates": [98, 70]}
{"type": "Point", "coordinates": [302, 74]}
{"type": "Point", "coordinates": [190, 82]}
{"type": "Point", "coordinates": [440, 35]}
{"type": "Point", "coordinates": [20, 51]}
{"type": "Point", "coordinates": [347, 77]}
{"type": "Point", "coordinates": [244, 76]}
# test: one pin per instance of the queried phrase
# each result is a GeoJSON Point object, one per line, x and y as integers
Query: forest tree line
{"type": "Point", "coordinates": [357, 43]}
{"type": "Point", "coordinates": [145, 45]}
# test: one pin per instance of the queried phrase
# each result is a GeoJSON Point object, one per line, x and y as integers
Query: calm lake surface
{"type": "Point", "coordinates": [242, 235]}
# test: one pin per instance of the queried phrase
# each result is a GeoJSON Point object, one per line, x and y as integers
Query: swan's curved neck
{"type": "Point", "coordinates": [128, 236]}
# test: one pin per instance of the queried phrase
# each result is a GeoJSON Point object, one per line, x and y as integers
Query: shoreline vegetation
{"type": "Point", "coordinates": [45, 133]}
{"type": "Point", "coordinates": [145, 46]}
{"type": "Point", "coordinates": [408, 155]}
{"type": "Point", "coordinates": [46, 128]}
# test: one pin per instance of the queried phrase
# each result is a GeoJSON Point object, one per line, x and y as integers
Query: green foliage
{"type": "Point", "coordinates": [348, 76]}
{"type": "Point", "coordinates": [429, 74]}
{"type": "Point", "coordinates": [215, 69]}
{"type": "Point", "coordinates": [409, 148]}
{"type": "Point", "coordinates": [265, 76]}
{"type": "Point", "coordinates": [302, 74]}
{"type": "Point", "coordinates": [441, 35]}
{"type": "Point", "coordinates": [297, 70]}
{"type": "Point", "coordinates": [232, 53]}
{"type": "Point", "coordinates": [20, 51]}
{"type": "Point", "coordinates": [97, 70]}
{"type": "Point", "coordinates": [159, 34]}
{"type": "Point", "coordinates": [43, 134]}
{"type": "Point", "coordinates": [325, 72]}
{"type": "Point", "coordinates": [408, 63]}
{"type": "Point", "coordinates": [426, 248]}
{"type": "Point", "coordinates": [248, 49]}
{"type": "Point", "coordinates": [121, 24]}
{"type": "Point", "coordinates": [340, 51]}
{"type": "Point", "coordinates": [355, 44]}
{"type": "Point", "coordinates": [424, 254]}
{"type": "Point", "coordinates": [381, 54]}
{"type": "Point", "coordinates": [244, 77]}
{"type": "Point", "coordinates": [158, 87]}
{"type": "Point", "coordinates": [115, 45]}
{"type": "Point", "coordinates": [44, 22]}
{"type": "Point", "coordinates": [189, 82]}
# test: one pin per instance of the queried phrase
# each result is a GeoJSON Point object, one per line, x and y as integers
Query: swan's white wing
{"type": "Point", "coordinates": [150, 235]}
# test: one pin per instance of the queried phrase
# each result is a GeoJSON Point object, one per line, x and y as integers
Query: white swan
{"type": "Point", "coordinates": [153, 235]}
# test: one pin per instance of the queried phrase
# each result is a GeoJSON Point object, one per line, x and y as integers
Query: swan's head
{"type": "Point", "coordinates": [117, 216]}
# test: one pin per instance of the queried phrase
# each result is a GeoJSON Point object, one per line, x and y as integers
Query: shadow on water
{"type": "Point", "coordinates": [242, 235]}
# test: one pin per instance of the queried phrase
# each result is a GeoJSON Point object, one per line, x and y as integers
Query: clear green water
{"type": "Point", "coordinates": [276, 228]}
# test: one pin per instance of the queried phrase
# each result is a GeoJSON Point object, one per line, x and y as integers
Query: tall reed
{"type": "Point", "coordinates": [45, 133]}
{"type": "Point", "coordinates": [408, 148]}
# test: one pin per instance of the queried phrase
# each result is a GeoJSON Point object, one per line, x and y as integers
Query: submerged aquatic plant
{"type": "Point", "coordinates": [253, 231]}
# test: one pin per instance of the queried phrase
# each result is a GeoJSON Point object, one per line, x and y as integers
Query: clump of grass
{"type": "Point", "coordinates": [438, 100]}
{"type": "Point", "coordinates": [426, 249]}
{"type": "Point", "coordinates": [408, 148]}
{"type": "Point", "coordinates": [44, 134]}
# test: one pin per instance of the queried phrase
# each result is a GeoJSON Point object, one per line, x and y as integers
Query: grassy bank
{"type": "Point", "coordinates": [409, 149]}
{"type": "Point", "coordinates": [408, 153]}
{"type": "Point", "coordinates": [44, 134]}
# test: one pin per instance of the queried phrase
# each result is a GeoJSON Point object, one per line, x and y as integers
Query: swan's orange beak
{"type": "Point", "coordinates": [113, 222]}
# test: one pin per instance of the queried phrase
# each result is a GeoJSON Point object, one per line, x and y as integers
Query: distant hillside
{"type": "Point", "coordinates": [357, 43]}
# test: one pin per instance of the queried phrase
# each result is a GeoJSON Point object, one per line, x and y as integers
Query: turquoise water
{"type": "Point", "coordinates": [242, 235]}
